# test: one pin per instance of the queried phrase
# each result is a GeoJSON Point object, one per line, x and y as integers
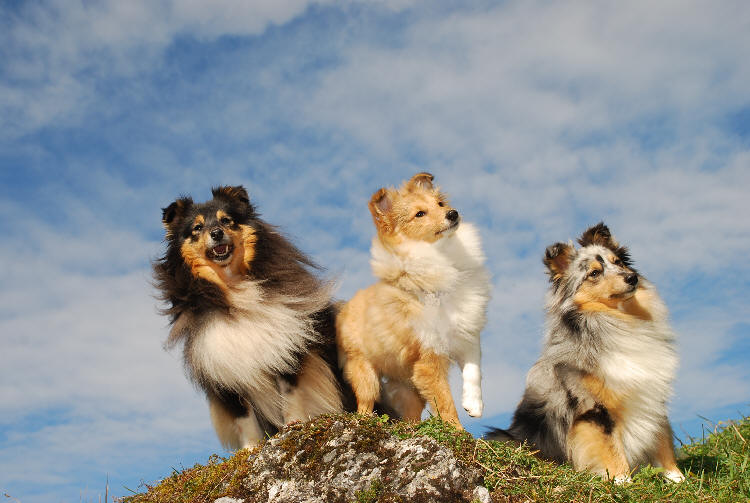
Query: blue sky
{"type": "Point", "coordinates": [537, 118]}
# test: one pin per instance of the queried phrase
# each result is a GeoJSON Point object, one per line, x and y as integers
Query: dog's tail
{"type": "Point", "coordinates": [501, 435]}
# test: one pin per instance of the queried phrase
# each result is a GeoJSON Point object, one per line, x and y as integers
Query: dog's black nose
{"type": "Point", "coordinates": [452, 215]}
{"type": "Point", "coordinates": [217, 234]}
{"type": "Point", "coordinates": [631, 279]}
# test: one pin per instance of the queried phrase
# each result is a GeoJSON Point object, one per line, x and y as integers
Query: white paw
{"type": "Point", "coordinates": [674, 476]}
{"type": "Point", "coordinates": [623, 479]}
{"type": "Point", "coordinates": [473, 405]}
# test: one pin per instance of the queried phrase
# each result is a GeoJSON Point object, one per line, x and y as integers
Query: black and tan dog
{"type": "Point", "coordinates": [257, 325]}
{"type": "Point", "coordinates": [597, 397]}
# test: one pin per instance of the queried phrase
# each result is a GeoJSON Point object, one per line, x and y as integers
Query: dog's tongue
{"type": "Point", "coordinates": [221, 249]}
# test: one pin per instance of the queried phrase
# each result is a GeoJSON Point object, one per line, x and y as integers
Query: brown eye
{"type": "Point", "coordinates": [420, 214]}
{"type": "Point", "coordinates": [441, 204]}
{"type": "Point", "coordinates": [595, 273]}
{"type": "Point", "coordinates": [225, 221]}
{"type": "Point", "coordinates": [618, 262]}
{"type": "Point", "coordinates": [198, 228]}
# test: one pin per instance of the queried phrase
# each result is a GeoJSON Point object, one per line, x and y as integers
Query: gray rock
{"type": "Point", "coordinates": [348, 465]}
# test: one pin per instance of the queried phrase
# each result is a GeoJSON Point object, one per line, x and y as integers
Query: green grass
{"type": "Point", "coordinates": [716, 468]}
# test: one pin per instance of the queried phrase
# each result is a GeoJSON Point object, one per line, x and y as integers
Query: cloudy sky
{"type": "Point", "coordinates": [537, 118]}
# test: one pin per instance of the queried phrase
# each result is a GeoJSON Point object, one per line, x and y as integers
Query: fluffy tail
{"type": "Point", "coordinates": [500, 435]}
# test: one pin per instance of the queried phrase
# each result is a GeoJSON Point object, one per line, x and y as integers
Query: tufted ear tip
{"type": "Point", "coordinates": [557, 259]}
{"type": "Point", "coordinates": [172, 215]}
{"type": "Point", "coordinates": [420, 181]}
{"type": "Point", "coordinates": [381, 208]}
{"type": "Point", "coordinates": [237, 193]}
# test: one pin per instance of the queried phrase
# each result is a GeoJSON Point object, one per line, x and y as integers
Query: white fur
{"type": "Point", "coordinates": [674, 476]}
{"type": "Point", "coordinates": [453, 286]}
{"type": "Point", "coordinates": [247, 348]}
{"type": "Point", "coordinates": [235, 432]}
{"type": "Point", "coordinates": [640, 364]}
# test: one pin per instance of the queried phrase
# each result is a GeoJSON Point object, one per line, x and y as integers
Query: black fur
{"type": "Point", "coordinates": [281, 269]}
{"type": "Point", "coordinates": [572, 320]}
{"type": "Point", "coordinates": [599, 234]}
{"type": "Point", "coordinates": [600, 416]}
{"type": "Point", "coordinates": [530, 420]}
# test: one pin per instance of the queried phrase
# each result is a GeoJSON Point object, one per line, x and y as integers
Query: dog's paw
{"type": "Point", "coordinates": [622, 480]}
{"type": "Point", "coordinates": [473, 405]}
{"type": "Point", "coordinates": [674, 476]}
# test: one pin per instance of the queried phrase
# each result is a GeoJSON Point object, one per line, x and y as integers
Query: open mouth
{"type": "Point", "coordinates": [220, 253]}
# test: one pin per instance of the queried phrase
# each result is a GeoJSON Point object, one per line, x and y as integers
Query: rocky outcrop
{"type": "Point", "coordinates": [344, 462]}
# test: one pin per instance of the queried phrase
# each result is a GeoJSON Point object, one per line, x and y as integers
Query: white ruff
{"type": "Point", "coordinates": [449, 280]}
{"type": "Point", "coordinates": [246, 349]}
{"type": "Point", "coordinates": [640, 364]}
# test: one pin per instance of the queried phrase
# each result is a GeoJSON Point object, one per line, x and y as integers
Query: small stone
{"type": "Point", "coordinates": [482, 494]}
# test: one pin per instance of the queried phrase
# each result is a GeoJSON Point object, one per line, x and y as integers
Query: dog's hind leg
{"type": "Point", "coordinates": [235, 432]}
{"type": "Point", "coordinates": [664, 455]}
{"type": "Point", "coordinates": [596, 448]}
{"type": "Point", "coordinates": [431, 380]}
{"type": "Point", "coordinates": [404, 399]}
{"type": "Point", "coordinates": [365, 382]}
{"type": "Point", "coordinates": [316, 392]}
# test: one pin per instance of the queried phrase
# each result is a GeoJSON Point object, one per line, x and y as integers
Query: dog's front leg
{"type": "Point", "coordinates": [470, 361]}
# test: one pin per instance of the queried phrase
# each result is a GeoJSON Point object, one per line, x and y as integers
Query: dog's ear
{"type": "Point", "coordinates": [420, 181]}
{"type": "Point", "coordinates": [172, 215]}
{"type": "Point", "coordinates": [557, 258]}
{"type": "Point", "coordinates": [599, 234]}
{"type": "Point", "coordinates": [381, 207]}
{"type": "Point", "coordinates": [236, 193]}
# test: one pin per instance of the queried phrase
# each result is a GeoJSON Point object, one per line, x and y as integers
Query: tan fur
{"type": "Point", "coordinates": [194, 253]}
{"type": "Point", "coordinates": [316, 392]}
{"type": "Point", "coordinates": [374, 334]}
{"type": "Point", "coordinates": [603, 395]}
{"type": "Point", "coordinates": [592, 449]}
{"type": "Point", "coordinates": [397, 221]}
{"type": "Point", "coordinates": [234, 432]}
{"type": "Point", "coordinates": [631, 307]}
{"type": "Point", "coordinates": [377, 329]}
{"type": "Point", "coordinates": [558, 264]}
{"type": "Point", "coordinates": [598, 394]}
{"type": "Point", "coordinates": [612, 295]}
{"type": "Point", "coordinates": [244, 250]}
{"type": "Point", "coordinates": [609, 291]}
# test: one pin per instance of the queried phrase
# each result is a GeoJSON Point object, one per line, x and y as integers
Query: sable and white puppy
{"type": "Point", "coordinates": [597, 396]}
{"type": "Point", "coordinates": [256, 323]}
{"type": "Point", "coordinates": [426, 310]}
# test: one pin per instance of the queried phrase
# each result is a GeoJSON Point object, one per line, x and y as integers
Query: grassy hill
{"type": "Point", "coordinates": [716, 468]}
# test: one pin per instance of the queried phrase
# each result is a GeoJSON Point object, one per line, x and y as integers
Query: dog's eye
{"type": "Point", "coordinates": [198, 228]}
{"type": "Point", "coordinates": [441, 204]}
{"type": "Point", "coordinates": [595, 273]}
{"type": "Point", "coordinates": [420, 214]}
{"type": "Point", "coordinates": [617, 262]}
{"type": "Point", "coordinates": [225, 221]}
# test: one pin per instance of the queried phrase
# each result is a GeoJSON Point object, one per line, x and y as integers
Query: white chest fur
{"type": "Point", "coordinates": [640, 366]}
{"type": "Point", "coordinates": [258, 339]}
{"type": "Point", "coordinates": [450, 282]}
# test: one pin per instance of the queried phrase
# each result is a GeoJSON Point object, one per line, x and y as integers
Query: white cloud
{"type": "Point", "coordinates": [536, 118]}
{"type": "Point", "coordinates": [58, 50]}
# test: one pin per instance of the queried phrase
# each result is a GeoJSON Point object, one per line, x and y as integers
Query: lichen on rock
{"type": "Point", "coordinates": [335, 459]}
